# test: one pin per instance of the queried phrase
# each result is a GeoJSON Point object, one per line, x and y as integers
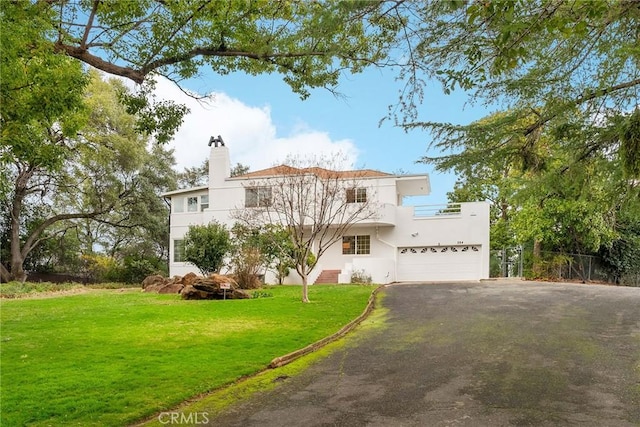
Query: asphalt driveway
{"type": "Point", "coordinates": [473, 354]}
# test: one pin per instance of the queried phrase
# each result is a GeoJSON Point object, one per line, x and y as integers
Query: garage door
{"type": "Point", "coordinates": [431, 263]}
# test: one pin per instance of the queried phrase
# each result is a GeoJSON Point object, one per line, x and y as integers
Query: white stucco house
{"type": "Point", "coordinates": [400, 243]}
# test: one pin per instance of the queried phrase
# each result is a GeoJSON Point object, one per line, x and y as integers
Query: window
{"type": "Point", "coordinates": [178, 204]}
{"type": "Point", "coordinates": [356, 245]}
{"type": "Point", "coordinates": [192, 204]}
{"type": "Point", "coordinates": [204, 202]}
{"type": "Point", "coordinates": [257, 197]}
{"type": "Point", "coordinates": [356, 195]}
{"type": "Point", "coordinates": [178, 251]}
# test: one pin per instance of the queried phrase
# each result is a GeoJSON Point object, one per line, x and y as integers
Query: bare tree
{"type": "Point", "coordinates": [315, 200]}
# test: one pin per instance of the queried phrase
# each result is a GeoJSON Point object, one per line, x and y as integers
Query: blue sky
{"type": "Point", "coordinates": [262, 121]}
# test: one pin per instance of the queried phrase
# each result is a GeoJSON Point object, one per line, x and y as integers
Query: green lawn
{"type": "Point", "coordinates": [114, 357]}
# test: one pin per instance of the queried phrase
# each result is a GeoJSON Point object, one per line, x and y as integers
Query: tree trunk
{"type": "Point", "coordinates": [305, 288]}
{"type": "Point", "coordinates": [20, 250]}
{"type": "Point", "coordinates": [537, 257]}
{"type": "Point", "coordinates": [5, 276]}
{"type": "Point", "coordinates": [17, 258]}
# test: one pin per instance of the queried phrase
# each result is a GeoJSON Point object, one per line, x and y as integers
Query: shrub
{"type": "Point", "coordinates": [550, 266]}
{"type": "Point", "coordinates": [98, 268]}
{"type": "Point", "coordinates": [135, 269]}
{"type": "Point", "coordinates": [260, 294]}
{"type": "Point", "coordinates": [247, 263]}
{"type": "Point", "coordinates": [360, 277]}
{"type": "Point", "coordinates": [206, 246]}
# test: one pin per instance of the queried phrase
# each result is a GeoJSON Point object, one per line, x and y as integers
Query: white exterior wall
{"type": "Point", "coordinates": [469, 227]}
{"type": "Point", "coordinates": [396, 227]}
{"type": "Point", "coordinates": [450, 236]}
{"type": "Point", "coordinates": [377, 264]}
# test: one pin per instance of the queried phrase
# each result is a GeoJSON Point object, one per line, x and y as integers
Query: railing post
{"type": "Point", "coordinates": [521, 266]}
{"type": "Point", "coordinates": [504, 262]}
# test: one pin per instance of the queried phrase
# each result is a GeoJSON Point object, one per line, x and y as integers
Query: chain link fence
{"type": "Point", "coordinates": [518, 262]}
{"type": "Point", "coordinates": [507, 262]}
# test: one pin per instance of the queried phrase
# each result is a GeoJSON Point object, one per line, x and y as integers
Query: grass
{"type": "Point", "coordinates": [212, 404]}
{"type": "Point", "coordinates": [30, 289]}
{"type": "Point", "coordinates": [113, 357]}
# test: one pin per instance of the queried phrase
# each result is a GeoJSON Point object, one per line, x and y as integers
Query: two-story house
{"type": "Point", "coordinates": [398, 243]}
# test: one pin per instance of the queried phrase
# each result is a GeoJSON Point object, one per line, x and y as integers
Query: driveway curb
{"type": "Point", "coordinates": [288, 358]}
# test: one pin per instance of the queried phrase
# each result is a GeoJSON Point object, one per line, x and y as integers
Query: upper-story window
{"type": "Point", "coordinates": [178, 204]}
{"type": "Point", "coordinates": [192, 204]}
{"type": "Point", "coordinates": [356, 195]}
{"type": "Point", "coordinates": [255, 197]}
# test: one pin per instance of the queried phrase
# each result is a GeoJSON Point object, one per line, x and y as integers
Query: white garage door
{"type": "Point", "coordinates": [431, 263]}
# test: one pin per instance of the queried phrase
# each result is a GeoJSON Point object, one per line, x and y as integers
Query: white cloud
{"type": "Point", "coordinates": [248, 131]}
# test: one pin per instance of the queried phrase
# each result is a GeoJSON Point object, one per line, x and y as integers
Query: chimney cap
{"type": "Point", "coordinates": [216, 141]}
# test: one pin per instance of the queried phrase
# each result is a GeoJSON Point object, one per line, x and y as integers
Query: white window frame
{"type": "Point", "coordinates": [192, 204]}
{"type": "Point", "coordinates": [257, 197]}
{"type": "Point", "coordinates": [357, 195]}
{"type": "Point", "coordinates": [178, 204]}
{"type": "Point", "coordinates": [178, 250]}
{"type": "Point", "coordinates": [357, 245]}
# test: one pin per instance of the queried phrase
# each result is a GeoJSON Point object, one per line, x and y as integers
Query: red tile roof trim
{"type": "Point", "coordinates": [284, 170]}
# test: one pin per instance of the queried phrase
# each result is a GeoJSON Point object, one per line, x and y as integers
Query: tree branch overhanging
{"type": "Point", "coordinates": [578, 101]}
{"type": "Point", "coordinates": [89, 25]}
{"type": "Point", "coordinates": [99, 63]}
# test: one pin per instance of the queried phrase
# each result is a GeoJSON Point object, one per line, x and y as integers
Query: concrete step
{"type": "Point", "coordinates": [327, 276]}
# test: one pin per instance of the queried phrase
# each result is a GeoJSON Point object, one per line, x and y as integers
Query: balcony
{"type": "Point", "coordinates": [384, 216]}
{"type": "Point", "coordinates": [438, 211]}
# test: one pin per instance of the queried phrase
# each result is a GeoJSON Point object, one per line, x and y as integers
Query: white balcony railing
{"type": "Point", "coordinates": [433, 211]}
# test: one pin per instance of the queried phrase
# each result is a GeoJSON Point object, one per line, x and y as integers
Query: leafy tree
{"type": "Point", "coordinates": [566, 75]}
{"type": "Point", "coordinates": [308, 43]}
{"type": "Point", "coordinates": [554, 66]}
{"type": "Point", "coordinates": [206, 246]}
{"type": "Point", "coordinates": [490, 169]}
{"type": "Point", "coordinates": [279, 250]}
{"type": "Point", "coordinates": [275, 249]}
{"type": "Point", "coordinates": [42, 106]}
{"type": "Point", "coordinates": [87, 183]}
{"type": "Point", "coordinates": [144, 231]}
{"type": "Point", "coordinates": [309, 199]}
{"type": "Point", "coordinates": [124, 171]}
{"type": "Point", "coordinates": [545, 194]}
{"type": "Point", "coordinates": [621, 257]}
{"type": "Point", "coordinates": [239, 169]}
{"type": "Point", "coordinates": [196, 176]}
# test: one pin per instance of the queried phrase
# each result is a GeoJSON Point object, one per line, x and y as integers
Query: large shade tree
{"type": "Point", "coordinates": [545, 195]}
{"type": "Point", "coordinates": [42, 107]}
{"type": "Point", "coordinates": [553, 66]}
{"type": "Point", "coordinates": [96, 181]}
{"type": "Point", "coordinates": [309, 43]}
{"type": "Point", "coordinates": [565, 75]}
